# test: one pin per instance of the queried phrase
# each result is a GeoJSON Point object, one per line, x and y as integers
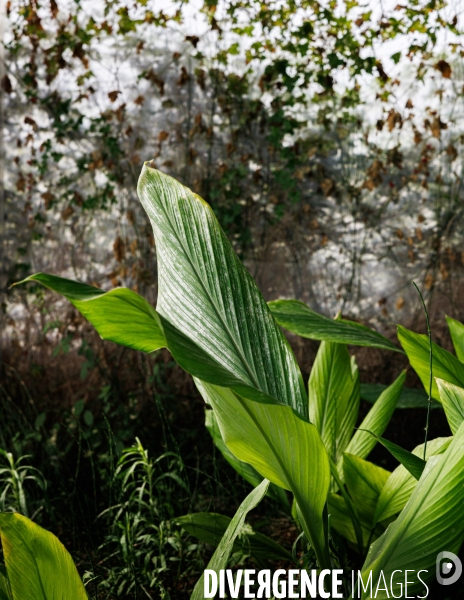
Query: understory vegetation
{"type": "Point", "coordinates": [259, 373]}
{"type": "Point", "coordinates": [301, 447]}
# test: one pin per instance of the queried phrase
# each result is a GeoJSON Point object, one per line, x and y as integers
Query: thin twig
{"type": "Point", "coordinates": [429, 333]}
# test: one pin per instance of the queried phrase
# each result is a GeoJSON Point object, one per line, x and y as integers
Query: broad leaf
{"type": "Point", "coordinates": [211, 528]}
{"type": "Point", "coordinates": [38, 565]}
{"type": "Point", "coordinates": [452, 398]}
{"type": "Point", "coordinates": [365, 482]}
{"type": "Point", "coordinates": [282, 447]}
{"type": "Point", "coordinates": [414, 464]}
{"type": "Point", "coordinates": [206, 292]}
{"type": "Point", "coordinates": [245, 470]}
{"type": "Point", "coordinates": [333, 394]}
{"type": "Point", "coordinates": [456, 330]}
{"type": "Point", "coordinates": [221, 556]}
{"type": "Point", "coordinates": [376, 420]}
{"type": "Point", "coordinates": [409, 397]}
{"type": "Point", "coordinates": [297, 317]}
{"type": "Point", "coordinates": [109, 311]}
{"type": "Point", "coordinates": [147, 330]}
{"type": "Point", "coordinates": [431, 522]}
{"type": "Point", "coordinates": [120, 315]}
{"type": "Point", "coordinates": [401, 483]}
{"type": "Point", "coordinates": [444, 365]}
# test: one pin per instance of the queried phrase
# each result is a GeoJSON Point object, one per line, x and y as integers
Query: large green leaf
{"type": "Point", "coordinates": [456, 330]}
{"type": "Point", "coordinates": [221, 556]}
{"type": "Point", "coordinates": [376, 419]}
{"type": "Point", "coordinates": [38, 565]}
{"type": "Point", "coordinates": [297, 317]}
{"type": "Point", "coordinates": [401, 483]}
{"type": "Point", "coordinates": [452, 398]}
{"type": "Point", "coordinates": [206, 292]}
{"type": "Point", "coordinates": [365, 482]}
{"type": "Point", "coordinates": [444, 365]}
{"type": "Point", "coordinates": [245, 470]}
{"type": "Point", "coordinates": [211, 528]}
{"type": "Point", "coordinates": [409, 397]}
{"type": "Point", "coordinates": [431, 522]}
{"type": "Point", "coordinates": [282, 447]}
{"type": "Point", "coordinates": [120, 315]}
{"type": "Point", "coordinates": [333, 394]}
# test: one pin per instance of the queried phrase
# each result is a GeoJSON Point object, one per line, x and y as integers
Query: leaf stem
{"type": "Point", "coordinates": [429, 333]}
{"type": "Point", "coordinates": [349, 506]}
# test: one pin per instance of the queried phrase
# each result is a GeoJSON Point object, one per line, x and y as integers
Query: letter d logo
{"type": "Point", "coordinates": [449, 568]}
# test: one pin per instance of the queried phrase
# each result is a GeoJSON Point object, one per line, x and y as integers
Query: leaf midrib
{"type": "Point", "coordinates": [218, 313]}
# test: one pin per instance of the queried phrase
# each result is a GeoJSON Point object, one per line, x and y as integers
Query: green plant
{"type": "Point", "coordinates": [37, 565]}
{"type": "Point", "coordinates": [13, 478]}
{"type": "Point", "coordinates": [143, 544]}
{"type": "Point", "coordinates": [214, 321]}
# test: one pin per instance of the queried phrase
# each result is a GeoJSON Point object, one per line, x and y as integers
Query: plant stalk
{"type": "Point", "coordinates": [349, 507]}
{"type": "Point", "coordinates": [429, 333]}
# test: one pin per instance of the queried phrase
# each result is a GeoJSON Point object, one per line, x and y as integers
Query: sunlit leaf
{"type": "Point", "coordinates": [456, 330]}
{"type": "Point", "coordinates": [452, 399]}
{"type": "Point", "coordinates": [376, 419]}
{"type": "Point", "coordinates": [333, 393]}
{"type": "Point", "coordinates": [297, 317]}
{"type": "Point", "coordinates": [38, 565]}
{"type": "Point", "coordinates": [120, 315]}
{"type": "Point", "coordinates": [266, 436]}
{"type": "Point", "coordinates": [445, 365]}
{"type": "Point", "coordinates": [245, 470]}
{"type": "Point", "coordinates": [430, 522]}
{"type": "Point", "coordinates": [206, 292]}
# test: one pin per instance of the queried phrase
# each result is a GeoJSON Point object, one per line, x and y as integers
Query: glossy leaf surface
{"type": "Point", "coordinates": [206, 292]}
